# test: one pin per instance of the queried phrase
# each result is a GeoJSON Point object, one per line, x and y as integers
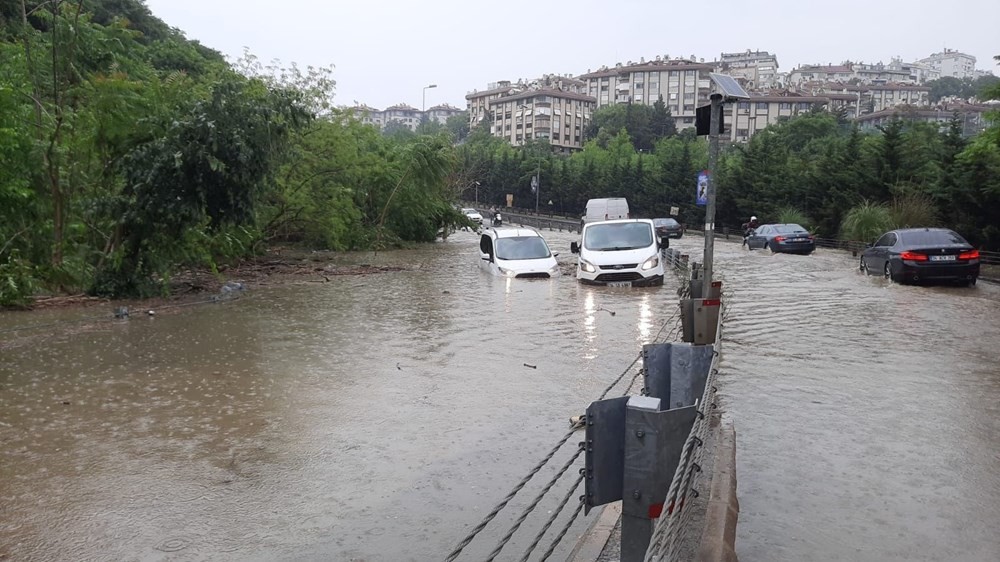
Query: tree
{"type": "Point", "coordinates": [661, 121]}
{"type": "Point", "coordinates": [458, 126]}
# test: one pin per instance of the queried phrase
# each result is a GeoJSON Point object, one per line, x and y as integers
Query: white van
{"type": "Point", "coordinates": [609, 208]}
{"type": "Point", "coordinates": [516, 252]}
{"type": "Point", "coordinates": [619, 253]}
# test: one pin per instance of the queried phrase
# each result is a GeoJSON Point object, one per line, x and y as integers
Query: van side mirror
{"type": "Point", "coordinates": [574, 248]}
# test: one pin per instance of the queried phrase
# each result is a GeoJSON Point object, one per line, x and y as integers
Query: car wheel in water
{"type": "Point", "coordinates": [888, 272]}
{"type": "Point", "coordinates": [971, 282]}
{"type": "Point", "coordinates": [864, 267]}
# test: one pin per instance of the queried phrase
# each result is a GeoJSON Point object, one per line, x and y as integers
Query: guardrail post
{"type": "Point", "coordinates": [653, 442]}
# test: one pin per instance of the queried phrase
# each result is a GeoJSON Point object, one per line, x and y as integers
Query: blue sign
{"type": "Point", "coordinates": [701, 195]}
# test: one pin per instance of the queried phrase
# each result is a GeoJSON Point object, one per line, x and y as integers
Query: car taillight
{"type": "Point", "coordinates": [913, 256]}
{"type": "Point", "coordinates": [971, 255]}
{"type": "Point", "coordinates": [811, 237]}
{"type": "Point", "coordinates": [779, 238]}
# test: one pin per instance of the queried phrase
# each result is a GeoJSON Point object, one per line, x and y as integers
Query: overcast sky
{"type": "Point", "coordinates": [386, 51]}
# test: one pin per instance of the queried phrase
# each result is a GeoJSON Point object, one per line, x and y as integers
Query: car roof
{"type": "Point", "coordinates": [514, 232]}
{"type": "Point", "coordinates": [618, 221]}
{"type": "Point", "coordinates": [927, 229]}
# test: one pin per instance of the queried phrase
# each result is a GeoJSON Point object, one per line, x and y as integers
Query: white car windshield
{"type": "Point", "coordinates": [470, 211]}
{"type": "Point", "coordinates": [618, 236]}
{"type": "Point", "coordinates": [522, 248]}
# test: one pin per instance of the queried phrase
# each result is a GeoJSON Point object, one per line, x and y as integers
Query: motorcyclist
{"type": "Point", "coordinates": [749, 227]}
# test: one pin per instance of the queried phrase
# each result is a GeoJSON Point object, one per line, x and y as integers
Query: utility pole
{"type": "Point", "coordinates": [538, 182]}
{"type": "Point", "coordinates": [713, 161]}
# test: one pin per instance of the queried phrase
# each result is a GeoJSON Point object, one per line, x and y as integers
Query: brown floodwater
{"type": "Point", "coordinates": [867, 413]}
{"type": "Point", "coordinates": [370, 417]}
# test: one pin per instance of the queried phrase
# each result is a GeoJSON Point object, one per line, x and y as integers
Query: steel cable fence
{"type": "Point", "coordinates": [675, 318]}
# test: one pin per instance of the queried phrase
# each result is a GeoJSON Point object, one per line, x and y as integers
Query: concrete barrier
{"type": "Point", "coordinates": [718, 539]}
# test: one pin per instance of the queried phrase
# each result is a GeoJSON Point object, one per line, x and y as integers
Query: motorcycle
{"type": "Point", "coordinates": [497, 220]}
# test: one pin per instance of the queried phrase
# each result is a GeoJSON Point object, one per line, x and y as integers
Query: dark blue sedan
{"type": "Point", "coordinates": [785, 238]}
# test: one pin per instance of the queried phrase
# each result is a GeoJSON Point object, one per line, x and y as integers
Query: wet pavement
{"type": "Point", "coordinates": [381, 417]}
{"type": "Point", "coordinates": [370, 417]}
{"type": "Point", "coordinates": [867, 413]}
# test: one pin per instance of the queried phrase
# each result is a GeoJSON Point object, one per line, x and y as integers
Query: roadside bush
{"type": "Point", "coordinates": [791, 215]}
{"type": "Point", "coordinates": [912, 211]}
{"type": "Point", "coordinates": [17, 281]}
{"type": "Point", "coordinates": [866, 222]}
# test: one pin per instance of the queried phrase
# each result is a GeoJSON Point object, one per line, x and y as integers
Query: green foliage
{"type": "Point", "coordinates": [866, 222]}
{"type": "Point", "coordinates": [17, 280]}
{"type": "Point", "coordinates": [912, 211]}
{"type": "Point", "coordinates": [791, 215]}
{"type": "Point", "coordinates": [963, 88]}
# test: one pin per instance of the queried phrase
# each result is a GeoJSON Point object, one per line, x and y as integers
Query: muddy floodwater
{"type": "Point", "coordinates": [373, 417]}
{"type": "Point", "coordinates": [381, 417]}
{"type": "Point", "coordinates": [867, 413]}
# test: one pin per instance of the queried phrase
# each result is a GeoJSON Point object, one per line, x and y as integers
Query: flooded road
{"type": "Point", "coordinates": [367, 418]}
{"type": "Point", "coordinates": [867, 413]}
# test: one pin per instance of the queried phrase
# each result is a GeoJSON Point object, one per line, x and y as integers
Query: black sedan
{"type": "Point", "coordinates": [786, 238]}
{"type": "Point", "coordinates": [668, 228]}
{"type": "Point", "coordinates": [922, 254]}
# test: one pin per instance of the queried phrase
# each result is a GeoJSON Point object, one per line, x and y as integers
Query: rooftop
{"type": "Point", "coordinates": [556, 93]}
{"type": "Point", "coordinates": [649, 66]}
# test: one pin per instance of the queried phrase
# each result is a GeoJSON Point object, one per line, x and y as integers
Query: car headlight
{"type": "Point", "coordinates": [651, 263]}
{"type": "Point", "coordinates": [587, 266]}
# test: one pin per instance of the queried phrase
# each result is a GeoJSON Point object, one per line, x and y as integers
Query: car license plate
{"type": "Point", "coordinates": [943, 258]}
{"type": "Point", "coordinates": [619, 284]}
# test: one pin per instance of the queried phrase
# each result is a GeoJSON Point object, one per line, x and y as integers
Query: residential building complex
{"type": "Point", "coordinates": [548, 113]}
{"type": "Point", "coordinates": [952, 63]}
{"type": "Point", "coordinates": [757, 70]}
{"type": "Point", "coordinates": [745, 118]}
{"type": "Point", "coordinates": [971, 117]}
{"type": "Point", "coordinates": [403, 114]}
{"type": "Point", "coordinates": [683, 84]}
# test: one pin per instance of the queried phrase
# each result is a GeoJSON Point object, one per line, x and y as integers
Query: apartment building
{"type": "Point", "coordinates": [478, 103]}
{"type": "Point", "coordinates": [747, 117]}
{"type": "Point", "coordinates": [758, 70]}
{"type": "Point", "coordinates": [683, 84]}
{"type": "Point", "coordinates": [918, 72]}
{"type": "Point", "coordinates": [952, 63]}
{"type": "Point", "coordinates": [368, 115]}
{"type": "Point", "coordinates": [441, 113]}
{"type": "Point", "coordinates": [867, 98]}
{"type": "Point", "coordinates": [972, 117]}
{"type": "Point", "coordinates": [404, 114]}
{"type": "Point", "coordinates": [816, 73]}
{"type": "Point", "coordinates": [548, 113]}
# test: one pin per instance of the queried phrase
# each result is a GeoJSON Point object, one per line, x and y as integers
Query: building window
{"type": "Point", "coordinates": [689, 96]}
{"type": "Point", "coordinates": [805, 106]}
{"type": "Point", "coordinates": [689, 107]}
{"type": "Point", "coordinates": [742, 133]}
{"type": "Point", "coordinates": [744, 105]}
{"type": "Point", "coordinates": [689, 120]}
{"type": "Point", "coordinates": [762, 105]}
{"type": "Point", "coordinates": [785, 106]}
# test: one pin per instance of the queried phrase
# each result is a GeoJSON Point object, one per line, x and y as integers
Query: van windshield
{"type": "Point", "coordinates": [522, 248]}
{"type": "Point", "coordinates": [618, 236]}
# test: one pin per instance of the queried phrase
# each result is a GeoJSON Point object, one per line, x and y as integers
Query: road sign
{"type": "Point", "coordinates": [534, 183]}
{"type": "Point", "coordinates": [701, 195]}
{"type": "Point", "coordinates": [674, 211]}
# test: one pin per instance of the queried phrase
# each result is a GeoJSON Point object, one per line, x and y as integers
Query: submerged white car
{"type": "Point", "coordinates": [516, 252]}
{"type": "Point", "coordinates": [473, 215]}
{"type": "Point", "coordinates": [620, 253]}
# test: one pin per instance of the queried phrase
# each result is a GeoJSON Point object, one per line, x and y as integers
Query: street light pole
{"type": "Point", "coordinates": [423, 103]}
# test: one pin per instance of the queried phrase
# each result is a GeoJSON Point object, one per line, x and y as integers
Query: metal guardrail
{"type": "Point", "coordinates": [674, 522]}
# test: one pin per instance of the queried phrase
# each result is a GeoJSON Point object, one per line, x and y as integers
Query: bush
{"type": "Point", "coordinates": [17, 281]}
{"type": "Point", "coordinates": [791, 215]}
{"type": "Point", "coordinates": [866, 222]}
{"type": "Point", "coordinates": [912, 211]}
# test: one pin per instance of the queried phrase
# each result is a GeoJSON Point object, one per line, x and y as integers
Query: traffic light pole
{"type": "Point", "coordinates": [713, 164]}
